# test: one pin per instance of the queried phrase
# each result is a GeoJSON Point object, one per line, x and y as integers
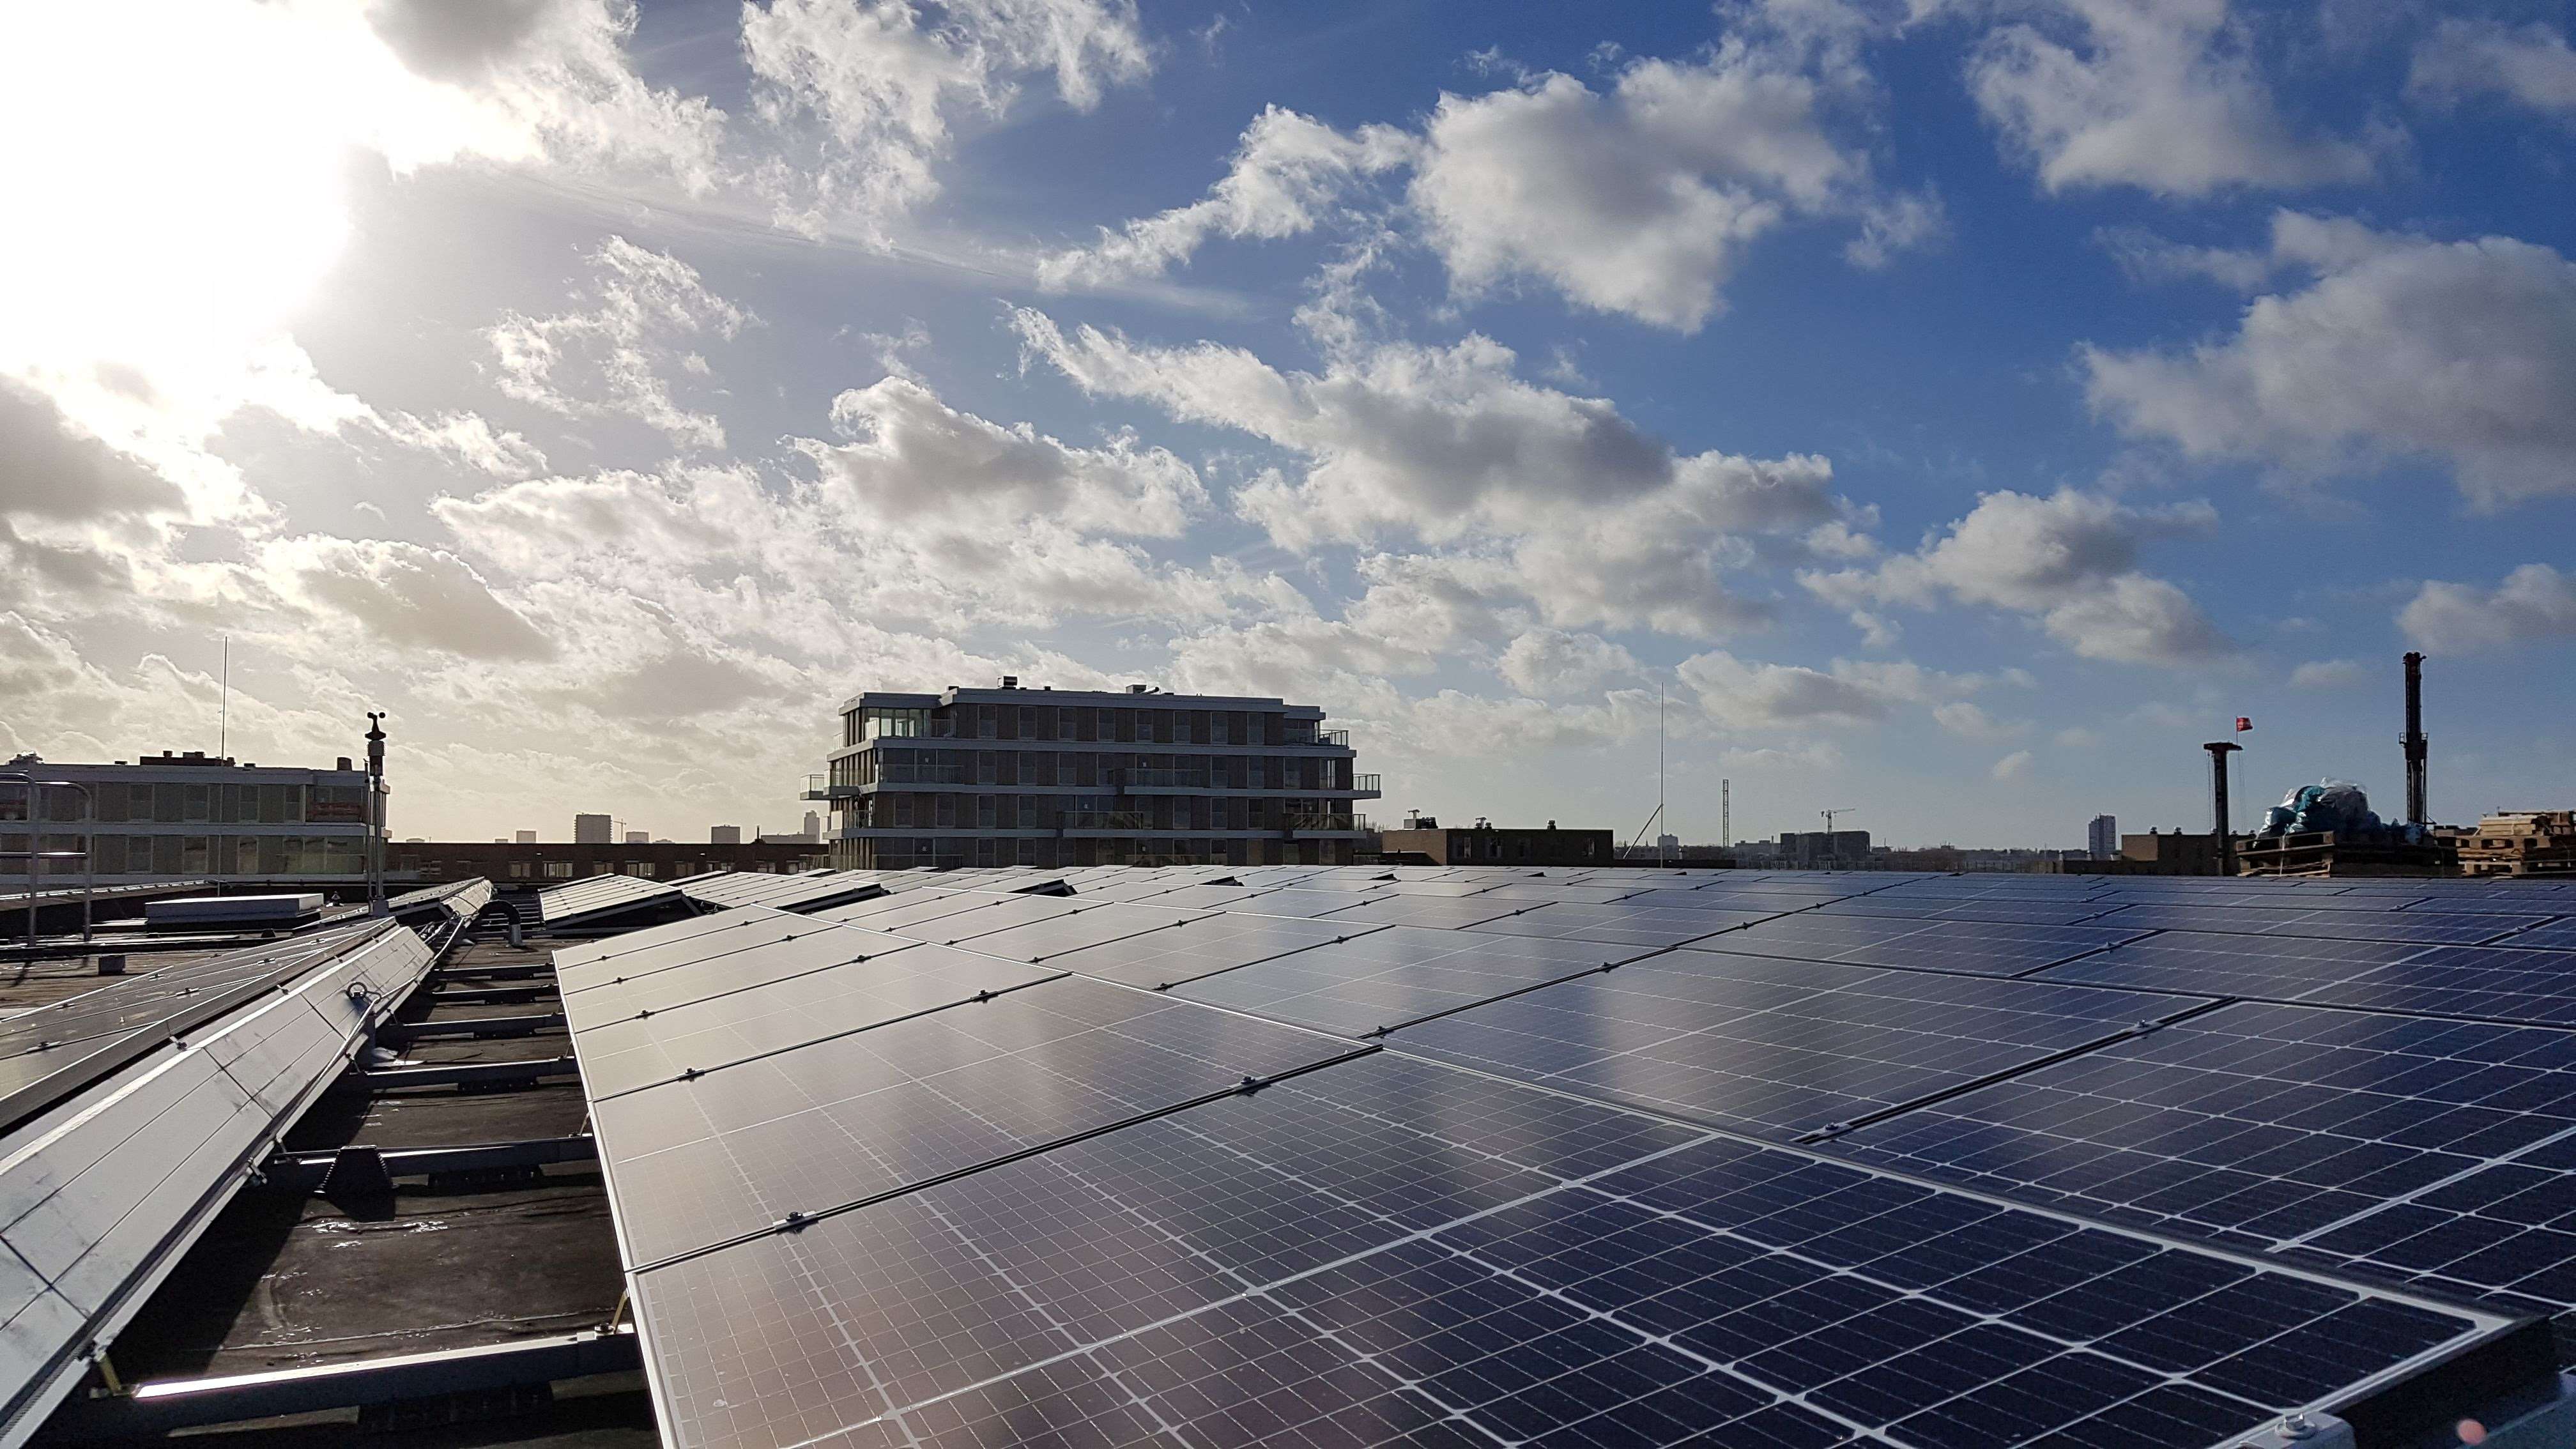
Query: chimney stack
{"type": "Point", "coordinates": [2416, 811]}
{"type": "Point", "coordinates": [2219, 750]}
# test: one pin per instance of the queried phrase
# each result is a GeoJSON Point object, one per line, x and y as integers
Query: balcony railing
{"type": "Point", "coordinates": [923, 775]}
{"type": "Point", "coordinates": [1167, 779]}
{"type": "Point", "coordinates": [1104, 820]}
{"type": "Point", "coordinates": [1365, 783]}
{"type": "Point", "coordinates": [1318, 821]}
{"type": "Point", "coordinates": [820, 787]}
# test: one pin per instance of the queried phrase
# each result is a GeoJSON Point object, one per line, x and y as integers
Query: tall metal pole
{"type": "Point", "coordinates": [375, 813]}
{"type": "Point", "coordinates": [1664, 827]}
{"type": "Point", "coordinates": [1726, 815]}
{"type": "Point", "coordinates": [224, 704]}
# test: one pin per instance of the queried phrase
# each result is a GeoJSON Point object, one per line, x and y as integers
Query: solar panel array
{"type": "Point", "coordinates": [1363, 1155]}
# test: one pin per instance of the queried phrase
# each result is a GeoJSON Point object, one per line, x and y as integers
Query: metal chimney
{"type": "Point", "coordinates": [2219, 750]}
{"type": "Point", "coordinates": [2414, 743]}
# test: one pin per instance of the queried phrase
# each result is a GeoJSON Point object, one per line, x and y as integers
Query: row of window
{"type": "Point", "coordinates": [1092, 812]}
{"type": "Point", "coordinates": [1079, 723]}
{"type": "Point", "coordinates": [198, 854]}
{"type": "Point", "coordinates": [1064, 854]}
{"type": "Point", "coordinates": [182, 803]}
{"type": "Point", "coordinates": [886, 765]}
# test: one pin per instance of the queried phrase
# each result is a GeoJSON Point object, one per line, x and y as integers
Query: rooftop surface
{"type": "Point", "coordinates": [1461, 1155]}
{"type": "Point", "coordinates": [1610, 1156]}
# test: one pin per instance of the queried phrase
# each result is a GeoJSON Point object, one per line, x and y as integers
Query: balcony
{"type": "Point", "coordinates": [1165, 780]}
{"type": "Point", "coordinates": [1365, 785]}
{"type": "Point", "coordinates": [1313, 823]}
{"type": "Point", "coordinates": [820, 787]}
{"type": "Point", "coordinates": [1078, 821]}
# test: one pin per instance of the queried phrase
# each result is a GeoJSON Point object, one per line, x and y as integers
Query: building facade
{"type": "Point", "coordinates": [591, 829]}
{"type": "Point", "coordinates": [187, 816]}
{"type": "Point", "coordinates": [1483, 844]}
{"type": "Point", "coordinates": [2520, 842]}
{"type": "Point", "coordinates": [1053, 777]}
{"type": "Point", "coordinates": [509, 863]}
{"type": "Point", "coordinates": [2102, 838]}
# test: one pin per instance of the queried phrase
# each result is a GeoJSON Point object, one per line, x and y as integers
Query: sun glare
{"type": "Point", "coordinates": [175, 188]}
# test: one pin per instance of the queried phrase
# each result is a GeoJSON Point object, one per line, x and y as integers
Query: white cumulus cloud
{"type": "Point", "coordinates": [2398, 346]}
{"type": "Point", "coordinates": [2533, 602]}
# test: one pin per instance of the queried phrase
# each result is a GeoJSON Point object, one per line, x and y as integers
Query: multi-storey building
{"type": "Point", "coordinates": [187, 815]}
{"type": "Point", "coordinates": [2102, 838]}
{"type": "Point", "coordinates": [1055, 777]}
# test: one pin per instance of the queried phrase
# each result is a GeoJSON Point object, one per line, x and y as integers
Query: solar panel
{"type": "Point", "coordinates": [1623, 923]}
{"type": "Point", "coordinates": [1344, 1259]}
{"type": "Point", "coordinates": [1041, 940]}
{"type": "Point", "coordinates": [2493, 982]}
{"type": "Point", "coordinates": [1379, 981]}
{"type": "Point", "coordinates": [793, 1002]}
{"type": "Point", "coordinates": [1158, 959]}
{"type": "Point", "coordinates": [912, 908]}
{"type": "Point", "coordinates": [1942, 908]}
{"type": "Point", "coordinates": [725, 934]}
{"type": "Point", "coordinates": [1432, 912]}
{"type": "Point", "coordinates": [995, 914]}
{"type": "Point", "coordinates": [1977, 947]}
{"type": "Point", "coordinates": [2442, 1152]}
{"type": "Point", "coordinates": [2558, 935]}
{"type": "Point", "coordinates": [2432, 927]}
{"type": "Point", "coordinates": [1294, 902]}
{"type": "Point", "coordinates": [1213, 897]}
{"type": "Point", "coordinates": [600, 896]}
{"type": "Point", "coordinates": [1777, 1047]}
{"type": "Point", "coordinates": [737, 1149]}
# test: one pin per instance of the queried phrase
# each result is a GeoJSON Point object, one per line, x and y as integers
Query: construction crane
{"type": "Point", "coordinates": [1830, 814]}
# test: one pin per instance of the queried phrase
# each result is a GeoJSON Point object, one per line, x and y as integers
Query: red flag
{"type": "Point", "coordinates": [2243, 724]}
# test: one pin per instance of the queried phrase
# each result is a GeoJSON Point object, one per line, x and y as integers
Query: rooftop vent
{"type": "Point", "coordinates": [1138, 688]}
{"type": "Point", "coordinates": [1010, 681]}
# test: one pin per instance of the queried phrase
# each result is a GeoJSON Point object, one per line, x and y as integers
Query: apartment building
{"type": "Point", "coordinates": [1055, 777]}
{"type": "Point", "coordinates": [185, 815]}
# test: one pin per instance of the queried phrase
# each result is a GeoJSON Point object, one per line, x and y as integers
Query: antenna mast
{"type": "Point", "coordinates": [224, 706]}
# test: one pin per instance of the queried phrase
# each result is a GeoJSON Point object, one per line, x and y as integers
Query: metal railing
{"type": "Point", "coordinates": [1104, 820]}
{"type": "Point", "coordinates": [1168, 779]}
{"type": "Point", "coordinates": [1364, 782]}
{"type": "Point", "coordinates": [1324, 820]}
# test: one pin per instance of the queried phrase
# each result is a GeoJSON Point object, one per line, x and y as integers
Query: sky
{"type": "Point", "coordinates": [1950, 412]}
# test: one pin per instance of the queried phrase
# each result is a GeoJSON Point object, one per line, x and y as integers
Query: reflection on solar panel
{"type": "Point", "coordinates": [1980, 947]}
{"type": "Point", "coordinates": [1084, 1175]}
{"type": "Point", "coordinates": [2434, 1150]}
{"type": "Point", "coordinates": [780, 892]}
{"type": "Point", "coordinates": [1158, 959]}
{"type": "Point", "coordinates": [602, 895]}
{"type": "Point", "coordinates": [1777, 1047]}
{"type": "Point", "coordinates": [2426, 926]}
{"type": "Point", "coordinates": [1382, 980]}
{"type": "Point", "coordinates": [736, 1148]}
{"type": "Point", "coordinates": [1395, 1252]}
{"type": "Point", "coordinates": [1623, 923]}
{"type": "Point", "coordinates": [2494, 982]}
{"type": "Point", "coordinates": [1432, 911]}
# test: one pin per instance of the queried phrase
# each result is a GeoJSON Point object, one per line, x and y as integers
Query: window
{"type": "Point", "coordinates": [850, 728]}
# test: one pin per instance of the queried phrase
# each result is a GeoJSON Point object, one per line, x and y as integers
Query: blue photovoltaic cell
{"type": "Point", "coordinates": [2442, 1151]}
{"type": "Point", "coordinates": [1775, 1047]}
{"type": "Point", "coordinates": [1624, 923]}
{"type": "Point", "coordinates": [2497, 982]}
{"type": "Point", "coordinates": [2211, 963]}
{"type": "Point", "coordinates": [1331, 1268]}
{"type": "Point", "coordinates": [2009, 912]}
{"type": "Point", "coordinates": [1381, 980]}
{"type": "Point", "coordinates": [739, 1148]}
{"type": "Point", "coordinates": [1432, 912]}
{"type": "Point", "coordinates": [2430, 927]}
{"type": "Point", "coordinates": [2557, 935]}
{"type": "Point", "coordinates": [1977, 947]}
{"type": "Point", "coordinates": [1154, 960]}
